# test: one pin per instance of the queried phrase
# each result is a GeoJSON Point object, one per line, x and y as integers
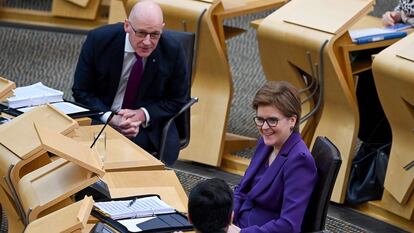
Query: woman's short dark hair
{"type": "Point", "coordinates": [282, 95]}
{"type": "Point", "coordinates": [210, 205]}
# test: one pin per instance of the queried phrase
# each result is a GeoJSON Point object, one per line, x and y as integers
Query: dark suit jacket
{"type": "Point", "coordinates": [163, 88]}
{"type": "Point", "coordinates": [277, 203]}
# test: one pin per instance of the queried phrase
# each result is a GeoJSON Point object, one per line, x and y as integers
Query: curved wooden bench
{"type": "Point", "coordinates": [393, 70]}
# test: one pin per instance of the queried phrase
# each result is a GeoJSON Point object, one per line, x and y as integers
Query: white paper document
{"type": "Point", "coordinates": [65, 107]}
{"type": "Point", "coordinates": [33, 95]}
{"type": "Point", "coordinates": [132, 224]}
{"type": "Point", "coordinates": [354, 34]}
{"type": "Point", "coordinates": [141, 207]}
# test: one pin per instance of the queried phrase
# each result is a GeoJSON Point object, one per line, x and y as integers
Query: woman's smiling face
{"type": "Point", "coordinates": [274, 135]}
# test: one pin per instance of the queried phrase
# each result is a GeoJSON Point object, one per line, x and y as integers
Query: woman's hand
{"type": "Point", "coordinates": [390, 18]}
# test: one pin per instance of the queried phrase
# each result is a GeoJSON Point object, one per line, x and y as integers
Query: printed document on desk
{"type": "Point", "coordinates": [32, 95]}
{"type": "Point", "coordinates": [368, 35]}
{"type": "Point", "coordinates": [135, 208]}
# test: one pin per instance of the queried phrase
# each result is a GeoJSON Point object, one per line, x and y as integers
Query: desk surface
{"type": "Point", "coordinates": [121, 153]}
{"type": "Point", "coordinates": [164, 183]}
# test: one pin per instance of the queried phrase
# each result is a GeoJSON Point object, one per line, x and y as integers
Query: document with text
{"type": "Point", "coordinates": [135, 208]}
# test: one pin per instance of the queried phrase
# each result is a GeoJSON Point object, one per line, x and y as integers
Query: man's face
{"type": "Point", "coordinates": [144, 36]}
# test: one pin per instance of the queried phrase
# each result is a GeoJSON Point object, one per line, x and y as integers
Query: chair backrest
{"type": "Point", "coordinates": [182, 118]}
{"type": "Point", "coordinates": [182, 122]}
{"type": "Point", "coordinates": [328, 161]}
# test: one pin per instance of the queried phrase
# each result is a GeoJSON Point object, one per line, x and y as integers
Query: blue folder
{"type": "Point", "coordinates": [379, 37]}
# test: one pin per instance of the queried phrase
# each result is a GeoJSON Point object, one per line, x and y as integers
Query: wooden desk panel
{"type": "Point", "coordinates": [164, 182]}
{"type": "Point", "coordinates": [6, 87]}
{"type": "Point", "coordinates": [65, 8]}
{"type": "Point", "coordinates": [121, 153]}
{"type": "Point", "coordinates": [393, 77]}
{"type": "Point", "coordinates": [28, 143]}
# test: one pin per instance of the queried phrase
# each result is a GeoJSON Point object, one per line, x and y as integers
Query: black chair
{"type": "Point", "coordinates": [182, 118]}
{"type": "Point", "coordinates": [328, 161]}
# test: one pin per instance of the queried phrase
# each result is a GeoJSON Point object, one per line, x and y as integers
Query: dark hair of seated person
{"type": "Point", "coordinates": [210, 206]}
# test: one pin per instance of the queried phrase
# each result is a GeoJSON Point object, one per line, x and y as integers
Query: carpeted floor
{"type": "Point", "coordinates": [28, 56]}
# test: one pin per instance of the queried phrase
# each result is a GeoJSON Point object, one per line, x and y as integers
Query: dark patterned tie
{"type": "Point", "coordinates": [134, 80]}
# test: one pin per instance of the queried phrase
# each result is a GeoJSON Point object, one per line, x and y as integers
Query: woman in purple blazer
{"type": "Point", "coordinates": [276, 188]}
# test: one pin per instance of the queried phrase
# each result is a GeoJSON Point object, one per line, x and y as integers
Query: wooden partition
{"type": "Point", "coordinates": [20, 145]}
{"type": "Point", "coordinates": [6, 88]}
{"type": "Point", "coordinates": [72, 218]}
{"type": "Point", "coordinates": [393, 70]}
{"type": "Point", "coordinates": [32, 184]}
{"type": "Point", "coordinates": [165, 183]}
{"type": "Point", "coordinates": [81, 9]}
{"type": "Point", "coordinates": [300, 39]}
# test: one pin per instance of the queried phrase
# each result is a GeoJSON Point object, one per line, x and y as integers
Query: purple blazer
{"type": "Point", "coordinates": [277, 203]}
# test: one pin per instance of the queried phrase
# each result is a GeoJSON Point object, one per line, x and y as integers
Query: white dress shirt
{"type": "Point", "coordinates": [129, 61]}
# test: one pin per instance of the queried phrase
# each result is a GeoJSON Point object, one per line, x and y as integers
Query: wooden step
{"type": "Point", "coordinates": [234, 164]}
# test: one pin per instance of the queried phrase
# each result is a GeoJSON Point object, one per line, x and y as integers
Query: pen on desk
{"type": "Point", "coordinates": [132, 202]}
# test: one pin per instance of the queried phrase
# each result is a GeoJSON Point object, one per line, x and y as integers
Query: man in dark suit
{"type": "Point", "coordinates": [115, 55]}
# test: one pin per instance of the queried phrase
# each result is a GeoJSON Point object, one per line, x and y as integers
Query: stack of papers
{"type": "Point", "coordinates": [367, 35]}
{"type": "Point", "coordinates": [33, 95]}
{"type": "Point", "coordinates": [137, 208]}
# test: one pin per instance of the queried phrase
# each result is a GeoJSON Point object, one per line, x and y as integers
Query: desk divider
{"type": "Point", "coordinates": [19, 135]}
{"type": "Point", "coordinates": [81, 3]}
{"type": "Point", "coordinates": [393, 70]}
{"type": "Point", "coordinates": [64, 8]}
{"type": "Point", "coordinates": [70, 150]}
{"type": "Point", "coordinates": [72, 218]}
{"type": "Point", "coordinates": [6, 88]}
{"type": "Point", "coordinates": [329, 16]}
{"type": "Point", "coordinates": [36, 186]}
{"type": "Point", "coordinates": [407, 52]}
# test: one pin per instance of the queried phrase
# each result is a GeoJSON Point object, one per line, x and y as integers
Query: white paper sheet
{"type": "Point", "coordinates": [131, 224]}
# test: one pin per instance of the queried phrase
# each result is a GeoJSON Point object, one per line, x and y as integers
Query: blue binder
{"type": "Point", "coordinates": [379, 37]}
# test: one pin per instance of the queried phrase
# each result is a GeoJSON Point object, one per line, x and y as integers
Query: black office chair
{"type": "Point", "coordinates": [328, 161]}
{"type": "Point", "coordinates": [182, 118]}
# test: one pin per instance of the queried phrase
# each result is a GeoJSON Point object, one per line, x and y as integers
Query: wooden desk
{"type": "Point", "coordinates": [74, 16]}
{"type": "Point", "coordinates": [6, 87]}
{"type": "Point", "coordinates": [71, 218]}
{"type": "Point", "coordinates": [121, 153]}
{"type": "Point", "coordinates": [233, 8]}
{"type": "Point", "coordinates": [164, 183]}
{"type": "Point", "coordinates": [346, 48]}
{"type": "Point", "coordinates": [393, 70]}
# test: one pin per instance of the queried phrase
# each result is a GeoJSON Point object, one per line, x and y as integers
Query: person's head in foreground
{"type": "Point", "coordinates": [210, 206]}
